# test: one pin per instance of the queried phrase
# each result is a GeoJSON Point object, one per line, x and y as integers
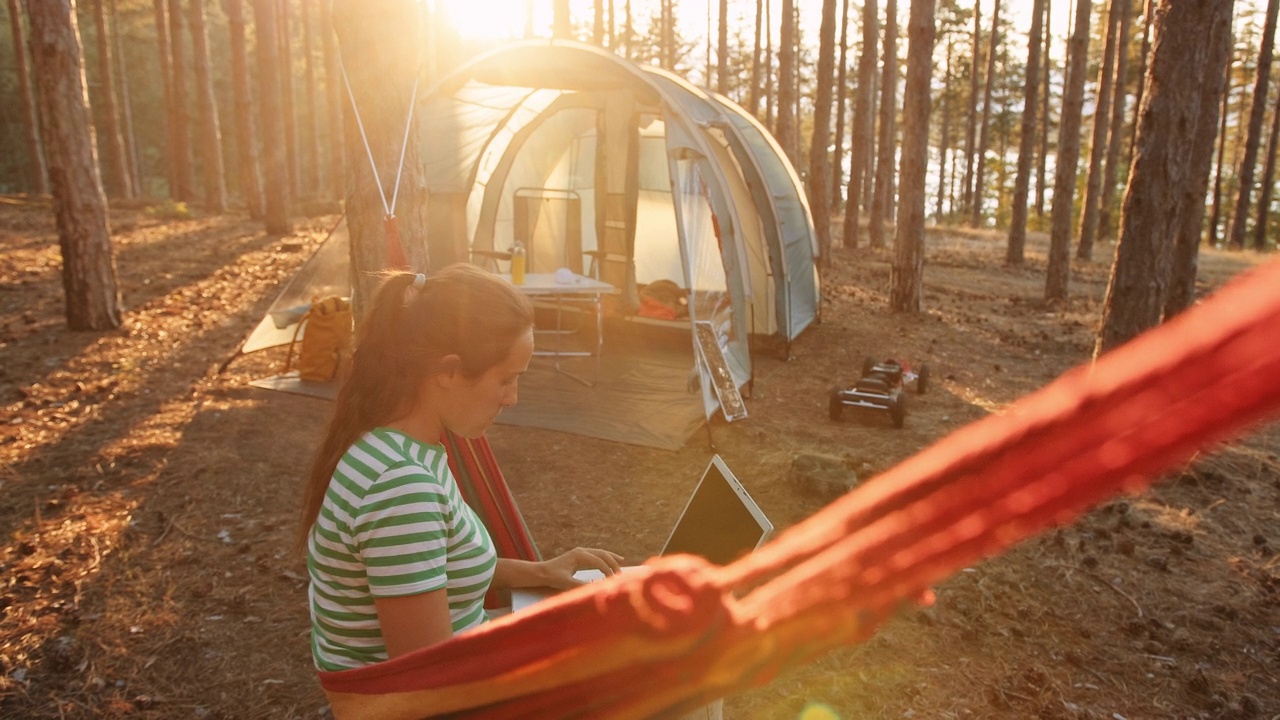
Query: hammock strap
{"type": "Point", "coordinates": [395, 250]}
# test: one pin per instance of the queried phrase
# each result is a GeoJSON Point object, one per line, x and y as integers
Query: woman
{"type": "Point", "coordinates": [397, 560]}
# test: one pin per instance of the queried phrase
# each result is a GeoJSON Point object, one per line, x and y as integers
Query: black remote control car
{"type": "Point", "coordinates": [881, 387]}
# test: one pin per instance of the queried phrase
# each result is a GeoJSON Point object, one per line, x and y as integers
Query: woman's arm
{"type": "Point", "coordinates": [410, 622]}
{"type": "Point", "coordinates": [555, 573]}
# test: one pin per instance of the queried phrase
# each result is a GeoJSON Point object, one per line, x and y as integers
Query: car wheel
{"type": "Point", "coordinates": [867, 363]}
{"type": "Point", "coordinates": [835, 405]}
{"type": "Point", "coordinates": [898, 410]}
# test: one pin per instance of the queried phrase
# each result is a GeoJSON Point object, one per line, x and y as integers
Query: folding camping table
{"type": "Point", "coordinates": [545, 286]}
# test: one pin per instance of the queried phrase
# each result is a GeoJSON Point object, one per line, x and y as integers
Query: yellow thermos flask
{"type": "Point", "coordinates": [517, 263]}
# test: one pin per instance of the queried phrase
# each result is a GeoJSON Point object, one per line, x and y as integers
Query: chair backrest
{"type": "Point", "coordinates": [549, 223]}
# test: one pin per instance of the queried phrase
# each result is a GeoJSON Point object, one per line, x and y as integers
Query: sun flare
{"type": "Point", "coordinates": [483, 19]}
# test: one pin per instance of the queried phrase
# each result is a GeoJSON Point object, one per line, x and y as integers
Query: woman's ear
{"type": "Point", "coordinates": [450, 370]}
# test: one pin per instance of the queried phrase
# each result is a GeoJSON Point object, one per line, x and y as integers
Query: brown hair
{"type": "Point", "coordinates": [461, 310]}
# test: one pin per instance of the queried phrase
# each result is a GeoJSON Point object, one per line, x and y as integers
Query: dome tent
{"type": "Point", "coordinates": [632, 175]}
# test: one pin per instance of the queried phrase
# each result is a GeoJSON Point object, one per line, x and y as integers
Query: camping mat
{"type": "Point", "coordinates": [290, 383]}
{"type": "Point", "coordinates": [640, 396]}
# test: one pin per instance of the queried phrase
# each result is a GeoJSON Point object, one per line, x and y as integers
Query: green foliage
{"type": "Point", "coordinates": [169, 210]}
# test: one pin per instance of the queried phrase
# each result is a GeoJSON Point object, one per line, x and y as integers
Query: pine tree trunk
{"type": "Point", "coordinates": [786, 127]}
{"type": "Point", "coordinates": [36, 172]}
{"type": "Point", "coordinates": [275, 167]}
{"type": "Point", "coordinates": [842, 92]}
{"type": "Point", "coordinates": [126, 106]}
{"type": "Point", "coordinates": [860, 145]}
{"type": "Point", "coordinates": [1186, 244]}
{"type": "Point", "coordinates": [79, 204]}
{"type": "Point", "coordinates": [597, 25]}
{"type": "Point", "coordinates": [1268, 177]}
{"type": "Point", "coordinates": [1098, 146]}
{"type": "Point", "coordinates": [753, 97]}
{"type": "Point", "coordinates": [907, 277]}
{"type": "Point", "coordinates": [284, 37]}
{"type": "Point", "coordinates": [1240, 127]}
{"type": "Point", "coordinates": [1058, 273]}
{"type": "Point", "coordinates": [769, 97]}
{"type": "Point", "coordinates": [1015, 251]}
{"type": "Point", "coordinates": [984, 134]}
{"type": "Point", "coordinates": [797, 94]}
{"type": "Point", "coordinates": [944, 140]}
{"type": "Point", "coordinates": [668, 40]}
{"type": "Point", "coordinates": [115, 169]}
{"type": "Point", "coordinates": [180, 117]}
{"type": "Point", "coordinates": [611, 27]}
{"type": "Point", "coordinates": [709, 73]}
{"type": "Point", "coordinates": [722, 50]}
{"type": "Point", "coordinates": [383, 55]}
{"type": "Point", "coordinates": [1106, 211]}
{"type": "Point", "coordinates": [1258, 107]}
{"type": "Point", "coordinates": [1159, 181]}
{"type": "Point", "coordinates": [882, 200]}
{"type": "Point", "coordinates": [1045, 119]}
{"type": "Point", "coordinates": [1001, 188]}
{"type": "Point", "coordinates": [165, 63]}
{"type": "Point", "coordinates": [971, 130]}
{"type": "Point", "coordinates": [819, 155]}
{"type": "Point", "coordinates": [561, 24]}
{"type": "Point", "coordinates": [215, 185]}
{"type": "Point", "coordinates": [310, 119]}
{"type": "Point", "coordinates": [869, 183]}
{"type": "Point", "coordinates": [242, 99]}
{"type": "Point", "coordinates": [1212, 238]}
{"type": "Point", "coordinates": [334, 97]}
{"type": "Point", "coordinates": [628, 30]}
{"type": "Point", "coordinates": [1143, 57]}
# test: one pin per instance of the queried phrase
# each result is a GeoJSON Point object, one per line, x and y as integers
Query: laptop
{"type": "Point", "coordinates": [720, 522]}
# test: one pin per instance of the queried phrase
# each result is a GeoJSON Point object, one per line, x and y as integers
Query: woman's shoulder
{"type": "Point", "coordinates": [383, 452]}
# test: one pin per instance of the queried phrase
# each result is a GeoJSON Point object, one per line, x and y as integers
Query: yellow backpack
{"type": "Point", "coordinates": [325, 343]}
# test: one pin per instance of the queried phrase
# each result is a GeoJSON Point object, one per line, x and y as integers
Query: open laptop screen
{"type": "Point", "coordinates": [720, 522]}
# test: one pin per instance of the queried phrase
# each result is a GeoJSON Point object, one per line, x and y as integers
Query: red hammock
{"type": "Point", "coordinates": [484, 489]}
{"type": "Point", "coordinates": [681, 632]}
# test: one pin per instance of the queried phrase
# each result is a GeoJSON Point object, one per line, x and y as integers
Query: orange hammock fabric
{"type": "Point", "coordinates": [680, 631]}
{"type": "Point", "coordinates": [485, 490]}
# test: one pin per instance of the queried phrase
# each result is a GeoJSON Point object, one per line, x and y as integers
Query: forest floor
{"type": "Point", "coordinates": [147, 503]}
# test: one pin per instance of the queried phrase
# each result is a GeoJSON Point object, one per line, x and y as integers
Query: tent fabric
{"type": "Point", "coordinates": [633, 175]}
{"type": "Point", "coordinates": [795, 244]}
{"type": "Point", "coordinates": [681, 631]}
{"type": "Point", "coordinates": [324, 274]}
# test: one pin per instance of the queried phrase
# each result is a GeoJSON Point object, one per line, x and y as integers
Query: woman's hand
{"type": "Point", "coordinates": [556, 573]}
{"type": "Point", "coordinates": [559, 570]}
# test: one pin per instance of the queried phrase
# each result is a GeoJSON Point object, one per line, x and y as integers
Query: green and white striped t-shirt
{"type": "Point", "coordinates": [393, 523]}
